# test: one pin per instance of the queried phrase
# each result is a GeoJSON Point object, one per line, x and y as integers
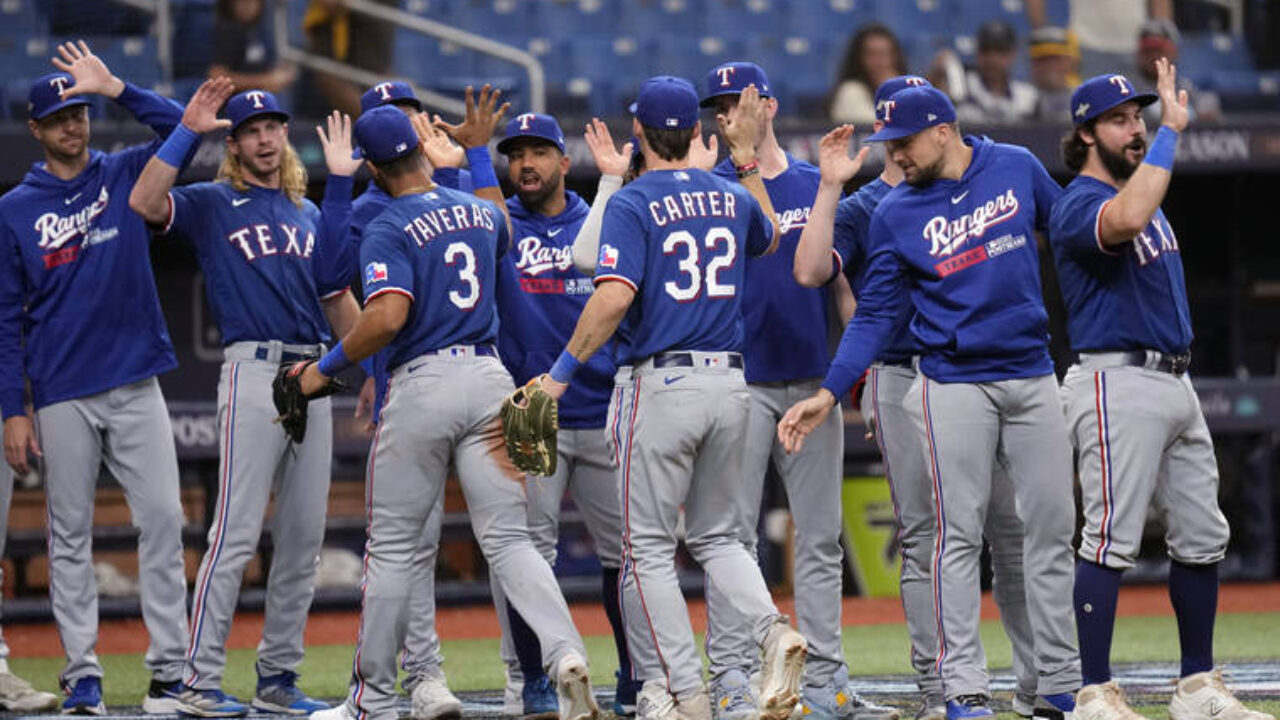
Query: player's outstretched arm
{"type": "Point", "coordinates": [92, 76]}
{"type": "Point", "coordinates": [1136, 203]}
{"type": "Point", "coordinates": [599, 320]}
{"type": "Point", "coordinates": [149, 197]}
{"type": "Point", "coordinates": [441, 151]}
{"type": "Point", "coordinates": [741, 132]}
{"type": "Point", "coordinates": [812, 266]}
{"type": "Point", "coordinates": [382, 318]}
{"type": "Point", "coordinates": [19, 434]}
{"type": "Point", "coordinates": [474, 133]}
{"type": "Point", "coordinates": [612, 164]}
{"type": "Point", "coordinates": [803, 417]}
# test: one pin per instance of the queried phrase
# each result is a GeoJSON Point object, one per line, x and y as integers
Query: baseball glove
{"type": "Point", "coordinates": [530, 421]}
{"type": "Point", "coordinates": [291, 402]}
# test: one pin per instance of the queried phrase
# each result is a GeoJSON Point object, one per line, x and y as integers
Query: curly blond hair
{"type": "Point", "coordinates": [293, 174]}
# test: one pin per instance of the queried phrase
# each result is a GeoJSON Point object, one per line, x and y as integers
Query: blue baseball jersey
{"type": "Point", "coordinates": [540, 296]}
{"type": "Point", "coordinates": [267, 262]}
{"type": "Point", "coordinates": [79, 313]}
{"type": "Point", "coordinates": [440, 249]}
{"type": "Point", "coordinates": [963, 252]}
{"type": "Point", "coordinates": [1130, 296]}
{"type": "Point", "coordinates": [679, 238]}
{"type": "Point", "coordinates": [784, 323]}
{"type": "Point", "coordinates": [850, 243]}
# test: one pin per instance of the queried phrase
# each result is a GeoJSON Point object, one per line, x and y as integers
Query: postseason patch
{"type": "Point", "coordinates": [375, 272]}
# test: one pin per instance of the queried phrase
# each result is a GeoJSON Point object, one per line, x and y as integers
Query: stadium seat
{"type": "Point", "coordinates": [744, 17]}
{"type": "Point", "coordinates": [915, 16]}
{"type": "Point", "coordinates": [21, 16]}
{"type": "Point", "coordinates": [76, 18]}
{"type": "Point", "coordinates": [967, 17]}
{"type": "Point", "coordinates": [1201, 54]}
{"type": "Point", "coordinates": [192, 39]}
{"type": "Point", "coordinates": [494, 17]}
{"type": "Point", "coordinates": [651, 18]}
{"type": "Point", "coordinates": [565, 18]}
{"type": "Point", "coordinates": [827, 19]}
{"type": "Point", "coordinates": [607, 70]}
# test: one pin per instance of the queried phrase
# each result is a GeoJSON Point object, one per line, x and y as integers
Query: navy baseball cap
{"type": "Point", "coordinates": [45, 97]}
{"type": "Point", "coordinates": [250, 104]}
{"type": "Point", "coordinates": [1101, 93]}
{"type": "Point", "coordinates": [389, 92]}
{"type": "Point", "coordinates": [532, 125]}
{"type": "Point", "coordinates": [893, 85]}
{"type": "Point", "coordinates": [384, 134]}
{"type": "Point", "coordinates": [911, 110]}
{"type": "Point", "coordinates": [666, 103]}
{"type": "Point", "coordinates": [732, 78]}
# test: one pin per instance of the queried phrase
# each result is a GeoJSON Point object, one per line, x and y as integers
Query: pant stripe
{"type": "Point", "coordinates": [616, 430]}
{"type": "Point", "coordinates": [619, 393]}
{"type": "Point", "coordinates": [899, 529]}
{"type": "Point", "coordinates": [1104, 460]}
{"type": "Point", "coordinates": [219, 522]}
{"type": "Point", "coordinates": [940, 537]}
{"type": "Point", "coordinates": [357, 693]}
{"type": "Point", "coordinates": [626, 524]}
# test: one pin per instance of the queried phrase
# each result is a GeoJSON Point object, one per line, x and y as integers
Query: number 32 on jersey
{"type": "Point", "coordinates": [721, 252]}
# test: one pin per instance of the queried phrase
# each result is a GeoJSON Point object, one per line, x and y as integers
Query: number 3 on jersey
{"type": "Point", "coordinates": [689, 289]}
{"type": "Point", "coordinates": [466, 274]}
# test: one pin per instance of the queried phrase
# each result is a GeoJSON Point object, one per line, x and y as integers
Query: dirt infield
{"type": "Point", "coordinates": [334, 628]}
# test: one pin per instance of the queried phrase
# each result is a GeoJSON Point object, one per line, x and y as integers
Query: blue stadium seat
{"type": "Point", "coordinates": [495, 17]}
{"type": "Point", "coordinates": [565, 18]}
{"type": "Point", "coordinates": [1244, 91]}
{"type": "Point", "coordinates": [192, 39]}
{"type": "Point", "coordinates": [967, 17]}
{"type": "Point", "coordinates": [1203, 53]}
{"type": "Point", "coordinates": [828, 19]}
{"type": "Point", "coordinates": [607, 70]}
{"type": "Point", "coordinates": [692, 57]}
{"type": "Point", "coordinates": [444, 11]}
{"type": "Point", "coordinates": [798, 69]}
{"type": "Point", "coordinates": [423, 59]}
{"type": "Point", "coordinates": [744, 17]}
{"type": "Point", "coordinates": [21, 16]}
{"type": "Point", "coordinates": [652, 18]}
{"type": "Point", "coordinates": [914, 16]}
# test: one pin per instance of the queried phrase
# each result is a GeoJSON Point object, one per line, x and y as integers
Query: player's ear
{"type": "Point", "coordinates": [34, 127]}
{"type": "Point", "coordinates": [564, 163]}
{"type": "Point", "coordinates": [373, 171]}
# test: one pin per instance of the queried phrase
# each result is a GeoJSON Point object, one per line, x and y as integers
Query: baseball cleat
{"type": "Point", "coordinates": [538, 698]}
{"type": "Point", "coordinates": [1105, 701]}
{"type": "Point", "coordinates": [781, 668]}
{"type": "Point", "coordinates": [85, 697]}
{"type": "Point", "coordinates": [17, 695]}
{"type": "Point", "coordinates": [931, 712]}
{"type": "Point", "coordinates": [513, 696]}
{"type": "Point", "coordinates": [432, 700]}
{"type": "Point", "coordinates": [573, 689]}
{"type": "Point", "coordinates": [624, 695]}
{"type": "Point", "coordinates": [837, 700]}
{"type": "Point", "coordinates": [162, 697]}
{"type": "Point", "coordinates": [280, 694]}
{"type": "Point", "coordinates": [1205, 696]}
{"type": "Point", "coordinates": [210, 702]}
{"type": "Point", "coordinates": [655, 703]}
{"type": "Point", "coordinates": [696, 706]}
{"type": "Point", "coordinates": [968, 707]}
{"type": "Point", "coordinates": [732, 697]}
{"type": "Point", "coordinates": [337, 712]}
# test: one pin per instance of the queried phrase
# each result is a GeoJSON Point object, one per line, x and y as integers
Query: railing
{"type": "Point", "coordinates": [414, 23]}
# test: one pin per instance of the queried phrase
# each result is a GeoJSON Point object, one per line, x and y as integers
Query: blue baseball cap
{"type": "Point", "coordinates": [250, 104]}
{"type": "Point", "coordinates": [532, 125]}
{"type": "Point", "coordinates": [384, 134]}
{"type": "Point", "coordinates": [893, 85]}
{"type": "Point", "coordinates": [911, 110]}
{"type": "Point", "coordinates": [732, 78]}
{"type": "Point", "coordinates": [387, 93]}
{"type": "Point", "coordinates": [666, 103]}
{"type": "Point", "coordinates": [45, 97]}
{"type": "Point", "coordinates": [1103, 92]}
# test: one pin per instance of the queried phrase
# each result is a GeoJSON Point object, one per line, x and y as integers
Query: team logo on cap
{"type": "Point", "coordinates": [725, 73]}
{"type": "Point", "coordinates": [889, 105]}
{"type": "Point", "coordinates": [60, 83]}
{"type": "Point", "coordinates": [525, 119]}
{"type": "Point", "coordinates": [256, 97]}
{"type": "Point", "coordinates": [384, 89]}
{"type": "Point", "coordinates": [1121, 82]}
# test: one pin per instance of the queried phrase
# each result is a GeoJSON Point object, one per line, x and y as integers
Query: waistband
{"type": "Point", "coordinates": [273, 351]}
{"type": "Point", "coordinates": [907, 362]}
{"type": "Point", "coordinates": [696, 359]}
{"type": "Point", "coordinates": [1174, 364]}
{"type": "Point", "coordinates": [449, 354]}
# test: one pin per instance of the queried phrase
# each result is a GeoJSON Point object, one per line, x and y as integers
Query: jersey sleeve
{"type": "Point", "coordinates": [759, 229]}
{"type": "Point", "coordinates": [12, 283]}
{"type": "Point", "coordinates": [386, 266]}
{"type": "Point", "coordinates": [1046, 191]}
{"type": "Point", "coordinates": [334, 251]}
{"type": "Point", "coordinates": [879, 315]}
{"type": "Point", "coordinates": [622, 258]}
{"type": "Point", "coordinates": [187, 207]}
{"type": "Point", "coordinates": [452, 178]}
{"type": "Point", "coordinates": [1075, 223]}
{"type": "Point", "coordinates": [848, 235]}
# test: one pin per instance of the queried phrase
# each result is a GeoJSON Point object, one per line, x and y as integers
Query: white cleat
{"type": "Point", "coordinates": [781, 669]}
{"type": "Point", "coordinates": [573, 689]}
{"type": "Point", "coordinates": [1204, 696]}
{"type": "Point", "coordinates": [432, 700]}
{"type": "Point", "coordinates": [341, 711]}
{"type": "Point", "coordinates": [694, 707]}
{"type": "Point", "coordinates": [17, 695]}
{"type": "Point", "coordinates": [654, 702]}
{"type": "Point", "coordinates": [1105, 701]}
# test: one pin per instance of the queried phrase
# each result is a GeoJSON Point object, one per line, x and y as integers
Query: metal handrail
{"type": "Point", "coordinates": [432, 28]}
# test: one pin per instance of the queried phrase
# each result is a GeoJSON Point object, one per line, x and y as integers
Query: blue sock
{"type": "Point", "coordinates": [609, 587]}
{"type": "Point", "coordinates": [1193, 589]}
{"type": "Point", "coordinates": [1096, 591]}
{"type": "Point", "coordinates": [528, 649]}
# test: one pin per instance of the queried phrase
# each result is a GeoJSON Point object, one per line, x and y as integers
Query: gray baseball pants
{"type": "Point", "coordinates": [422, 657]}
{"type": "Point", "coordinates": [6, 498]}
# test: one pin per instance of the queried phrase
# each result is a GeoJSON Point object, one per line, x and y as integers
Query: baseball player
{"type": "Point", "coordinates": [540, 295]}
{"type": "Point", "coordinates": [274, 269]}
{"type": "Point", "coordinates": [1130, 408]}
{"type": "Point", "coordinates": [957, 240]}
{"type": "Point", "coordinates": [785, 353]}
{"type": "Point", "coordinates": [80, 320]}
{"type": "Point", "coordinates": [667, 273]}
{"type": "Point", "coordinates": [421, 658]}
{"type": "Point", "coordinates": [429, 262]}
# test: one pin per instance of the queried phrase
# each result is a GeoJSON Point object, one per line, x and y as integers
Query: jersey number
{"type": "Point", "coordinates": [690, 266]}
{"type": "Point", "coordinates": [466, 273]}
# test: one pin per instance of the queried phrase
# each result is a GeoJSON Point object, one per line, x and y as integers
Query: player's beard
{"type": "Point", "coordinates": [536, 199]}
{"type": "Point", "coordinates": [1118, 164]}
{"type": "Point", "coordinates": [925, 175]}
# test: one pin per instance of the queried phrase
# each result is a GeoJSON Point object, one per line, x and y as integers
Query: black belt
{"type": "Point", "coordinates": [685, 359]}
{"type": "Point", "coordinates": [488, 350]}
{"type": "Point", "coordinates": [264, 352]}
{"type": "Point", "coordinates": [904, 363]}
{"type": "Point", "coordinates": [1175, 365]}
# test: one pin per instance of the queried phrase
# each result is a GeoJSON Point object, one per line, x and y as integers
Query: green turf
{"type": "Point", "coordinates": [871, 650]}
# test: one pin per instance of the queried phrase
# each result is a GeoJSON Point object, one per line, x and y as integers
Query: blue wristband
{"type": "Point", "coordinates": [177, 147]}
{"type": "Point", "coordinates": [565, 367]}
{"type": "Point", "coordinates": [482, 173]}
{"type": "Point", "coordinates": [367, 365]}
{"type": "Point", "coordinates": [334, 362]}
{"type": "Point", "coordinates": [1162, 148]}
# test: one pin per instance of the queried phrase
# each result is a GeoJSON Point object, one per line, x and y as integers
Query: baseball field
{"type": "Point", "coordinates": [1247, 640]}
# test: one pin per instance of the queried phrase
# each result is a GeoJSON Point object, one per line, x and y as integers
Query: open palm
{"type": "Point", "coordinates": [91, 75]}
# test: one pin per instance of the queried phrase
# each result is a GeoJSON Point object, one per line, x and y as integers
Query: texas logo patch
{"type": "Point", "coordinates": [608, 256]}
{"type": "Point", "coordinates": [375, 272]}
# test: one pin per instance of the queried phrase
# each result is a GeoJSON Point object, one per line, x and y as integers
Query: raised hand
{"type": "Point", "coordinates": [436, 145]}
{"type": "Point", "coordinates": [742, 129]}
{"type": "Point", "coordinates": [609, 161]}
{"type": "Point", "coordinates": [337, 145]}
{"type": "Point", "coordinates": [833, 156]}
{"type": "Point", "coordinates": [802, 418]}
{"type": "Point", "coordinates": [91, 75]}
{"type": "Point", "coordinates": [481, 119]}
{"type": "Point", "coordinates": [1173, 102]}
{"type": "Point", "coordinates": [704, 157]}
{"type": "Point", "coordinates": [201, 114]}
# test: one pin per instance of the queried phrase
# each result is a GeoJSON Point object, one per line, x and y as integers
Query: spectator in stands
{"type": "Point", "coordinates": [872, 56]}
{"type": "Point", "coordinates": [991, 95]}
{"type": "Point", "coordinates": [1106, 29]}
{"type": "Point", "coordinates": [351, 38]}
{"type": "Point", "coordinates": [244, 49]}
{"type": "Point", "coordinates": [1157, 39]}
{"type": "Point", "coordinates": [1055, 71]}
